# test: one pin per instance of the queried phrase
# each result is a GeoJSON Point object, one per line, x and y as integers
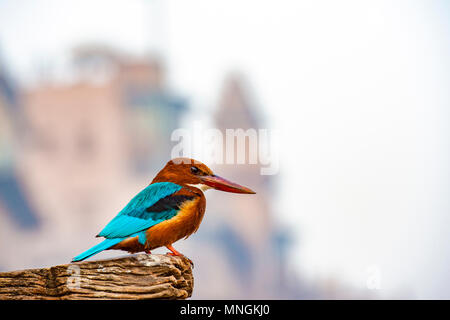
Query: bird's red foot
{"type": "Point", "coordinates": [178, 254]}
{"type": "Point", "coordinates": [147, 251]}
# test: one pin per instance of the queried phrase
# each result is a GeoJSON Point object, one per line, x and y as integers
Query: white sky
{"type": "Point", "coordinates": [359, 88]}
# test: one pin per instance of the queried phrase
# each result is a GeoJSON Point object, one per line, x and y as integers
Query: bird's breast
{"type": "Point", "coordinates": [182, 225]}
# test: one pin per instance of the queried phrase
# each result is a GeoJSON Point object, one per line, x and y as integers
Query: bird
{"type": "Point", "coordinates": [170, 208]}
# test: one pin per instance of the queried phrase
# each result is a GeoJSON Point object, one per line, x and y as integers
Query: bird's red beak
{"type": "Point", "coordinates": [222, 184]}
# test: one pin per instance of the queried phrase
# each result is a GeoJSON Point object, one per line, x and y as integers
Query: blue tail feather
{"type": "Point", "coordinates": [106, 244]}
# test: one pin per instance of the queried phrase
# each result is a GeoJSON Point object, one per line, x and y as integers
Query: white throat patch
{"type": "Point", "coordinates": [200, 186]}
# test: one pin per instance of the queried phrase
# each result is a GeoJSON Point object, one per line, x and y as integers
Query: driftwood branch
{"type": "Point", "coordinates": [133, 277]}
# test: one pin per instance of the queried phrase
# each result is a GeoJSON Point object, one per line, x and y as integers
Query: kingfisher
{"type": "Point", "coordinates": [167, 210]}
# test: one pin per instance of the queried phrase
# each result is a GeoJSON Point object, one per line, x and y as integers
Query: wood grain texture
{"type": "Point", "coordinates": [139, 276]}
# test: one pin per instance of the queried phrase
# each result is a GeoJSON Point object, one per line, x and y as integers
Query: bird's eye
{"type": "Point", "coordinates": [194, 170]}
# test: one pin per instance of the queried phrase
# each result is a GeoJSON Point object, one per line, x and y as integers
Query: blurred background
{"type": "Point", "coordinates": [90, 92]}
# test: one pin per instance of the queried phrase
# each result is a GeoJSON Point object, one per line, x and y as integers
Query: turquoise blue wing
{"type": "Point", "coordinates": [136, 216]}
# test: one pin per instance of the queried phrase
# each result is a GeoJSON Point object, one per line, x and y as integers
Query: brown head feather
{"type": "Point", "coordinates": [183, 171]}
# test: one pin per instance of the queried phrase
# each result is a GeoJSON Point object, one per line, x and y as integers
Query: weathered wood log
{"type": "Point", "coordinates": [139, 276]}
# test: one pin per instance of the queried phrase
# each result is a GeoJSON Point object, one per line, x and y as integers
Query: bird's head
{"type": "Point", "coordinates": [190, 172]}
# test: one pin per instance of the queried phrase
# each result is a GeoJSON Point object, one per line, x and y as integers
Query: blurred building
{"type": "Point", "coordinates": [14, 202]}
{"type": "Point", "coordinates": [243, 252]}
